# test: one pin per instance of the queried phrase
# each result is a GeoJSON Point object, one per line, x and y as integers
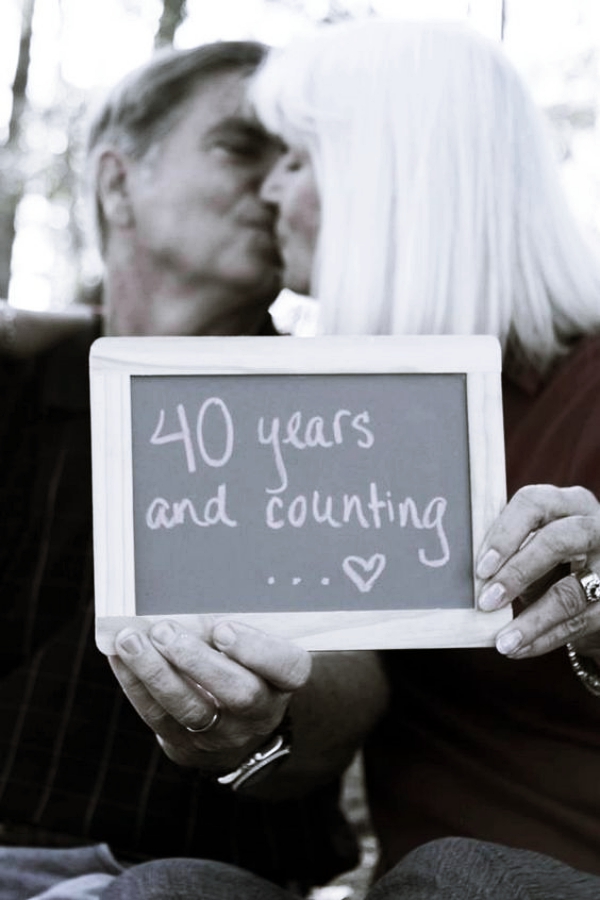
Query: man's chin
{"type": "Point", "coordinates": [271, 289]}
{"type": "Point", "coordinates": [262, 246]}
{"type": "Point", "coordinates": [264, 283]}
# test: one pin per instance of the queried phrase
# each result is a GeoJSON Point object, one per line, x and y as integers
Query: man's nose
{"type": "Point", "coordinates": [270, 189]}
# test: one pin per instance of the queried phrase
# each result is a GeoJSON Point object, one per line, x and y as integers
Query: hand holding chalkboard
{"type": "Point", "coordinates": [332, 492]}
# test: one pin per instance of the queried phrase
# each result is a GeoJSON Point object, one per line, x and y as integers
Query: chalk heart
{"type": "Point", "coordinates": [364, 572]}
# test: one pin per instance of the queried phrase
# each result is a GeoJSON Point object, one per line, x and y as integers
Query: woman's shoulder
{"type": "Point", "coordinates": [580, 368]}
{"type": "Point", "coordinates": [575, 390]}
{"type": "Point", "coordinates": [552, 427]}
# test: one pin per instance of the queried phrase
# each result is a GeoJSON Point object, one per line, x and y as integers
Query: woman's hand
{"type": "Point", "coordinates": [211, 700]}
{"type": "Point", "coordinates": [540, 529]}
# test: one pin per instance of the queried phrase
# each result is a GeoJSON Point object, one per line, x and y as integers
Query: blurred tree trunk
{"type": "Point", "coordinates": [335, 11]}
{"type": "Point", "coordinates": [11, 178]}
{"type": "Point", "coordinates": [173, 14]}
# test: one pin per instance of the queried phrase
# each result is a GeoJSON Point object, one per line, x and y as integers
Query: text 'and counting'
{"type": "Point", "coordinates": [210, 441]}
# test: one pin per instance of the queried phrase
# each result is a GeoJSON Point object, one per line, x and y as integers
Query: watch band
{"type": "Point", "coordinates": [277, 747]}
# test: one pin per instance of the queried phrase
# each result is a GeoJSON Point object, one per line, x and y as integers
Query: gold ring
{"type": "Point", "coordinates": [590, 584]}
{"type": "Point", "coordinates": [212, 724]}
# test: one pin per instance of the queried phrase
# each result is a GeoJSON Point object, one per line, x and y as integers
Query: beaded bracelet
{"type": "Point", "coordinates": [588, 672]}
{"type": "Point", "coordinates": [8, 327]}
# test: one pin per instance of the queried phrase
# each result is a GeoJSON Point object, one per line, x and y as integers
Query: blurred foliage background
{"type": "Point", "coordinates": [57, 56]}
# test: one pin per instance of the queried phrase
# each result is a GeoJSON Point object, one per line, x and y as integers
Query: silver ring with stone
{"type": "Point", "coordinates": [590, 584]}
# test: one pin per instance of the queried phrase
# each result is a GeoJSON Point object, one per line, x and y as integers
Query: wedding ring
{"type": "Point", "coordinates": [210, 725]}
{"type": "Point", "coordinates": [590, 584]}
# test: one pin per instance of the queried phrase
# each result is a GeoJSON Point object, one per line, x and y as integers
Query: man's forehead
{"type": "Point", "coordinates": [225, 103]}
{"type": "Point", "coordinates": [242, 125]}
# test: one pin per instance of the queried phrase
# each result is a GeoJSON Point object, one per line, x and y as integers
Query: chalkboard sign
{"type": "Point", "coordinates": [333, 490]}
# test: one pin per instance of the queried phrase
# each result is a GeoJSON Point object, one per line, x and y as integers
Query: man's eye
{"type": "Point", "coordinates": [243, 148]}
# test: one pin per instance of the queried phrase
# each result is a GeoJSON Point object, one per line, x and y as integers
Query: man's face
{"type": "Point", "coordinates": [195, 196]}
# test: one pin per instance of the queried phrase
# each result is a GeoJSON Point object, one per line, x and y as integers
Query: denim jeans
{"type": "Point", "coordinates": [448, 869]}
{"type": "Point", "coordinates": [38, 873]}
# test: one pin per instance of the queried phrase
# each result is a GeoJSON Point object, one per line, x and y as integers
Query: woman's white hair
{"type": "Point", "coordinates": [441, 205]}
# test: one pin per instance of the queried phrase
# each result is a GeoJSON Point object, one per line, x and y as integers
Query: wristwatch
{"type": "Point", "coordinates": [259, 763]}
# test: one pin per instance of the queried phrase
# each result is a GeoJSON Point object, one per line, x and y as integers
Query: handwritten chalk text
{"type": "Point", "coordinates": [185, 436]}
{"type": "Point", "coordinates": [212, 442]}
{"type": "Point", "coordinates": [372, 512]}
{"type": "Point", "coordinates": [162, 514]}
{"type": "Point", "coordinates": [315, 432]}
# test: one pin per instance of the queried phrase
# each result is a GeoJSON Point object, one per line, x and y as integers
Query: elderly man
{"type": "Point", "coordinates": [176, 164]}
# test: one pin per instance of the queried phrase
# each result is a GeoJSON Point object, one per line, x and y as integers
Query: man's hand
{"type": "Point", "coordinates": [210, 700]}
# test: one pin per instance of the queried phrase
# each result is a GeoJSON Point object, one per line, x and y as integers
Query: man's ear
{"type": "Point", "coordinates": [113, 188]}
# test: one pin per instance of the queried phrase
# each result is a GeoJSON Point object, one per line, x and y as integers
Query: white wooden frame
{"type": "Point", "coordinates": [114, 360]}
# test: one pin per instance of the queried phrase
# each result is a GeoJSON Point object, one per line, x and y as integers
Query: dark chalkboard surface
{"type": "Point", "coordinates": [332, 490]}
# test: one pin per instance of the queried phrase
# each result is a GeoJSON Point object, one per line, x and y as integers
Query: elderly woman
{"type": "Point", "coordinates": [448, 196]}
{"type": "Point", "coordinates": [418, 195]}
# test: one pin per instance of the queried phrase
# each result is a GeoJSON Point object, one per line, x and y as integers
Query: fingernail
{"type": "Point", "coordinates": [130, 642]}
{"type": "Point", "coordinates": [508, 641]}
{"type": "Point", "coordinates": [163, 633]}
{"type": "Point", "coordinates": [492, 597]}
{"type": "Point", "coordinates": [488, 564]}
{"type": "Point", "coordinates": [224, 635]}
